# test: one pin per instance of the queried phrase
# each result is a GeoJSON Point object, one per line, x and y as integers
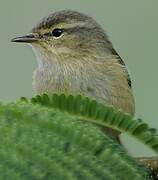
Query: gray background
{"type": "Point", "coordinates": [131, 25]}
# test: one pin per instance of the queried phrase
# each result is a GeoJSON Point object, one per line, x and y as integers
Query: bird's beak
{"type": "Point", "coordinates": [29, 38]}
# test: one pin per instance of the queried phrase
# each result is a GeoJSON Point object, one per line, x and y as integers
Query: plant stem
{"type": "Point", "coordinates": [151, 163]}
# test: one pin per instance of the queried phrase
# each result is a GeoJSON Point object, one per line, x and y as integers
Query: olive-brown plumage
{"type": "Point", "coordinates": [75, 56]}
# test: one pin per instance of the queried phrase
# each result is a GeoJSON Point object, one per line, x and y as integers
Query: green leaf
{"type": "Point", "coordinates": [43, 142]}
{"type": "Point", "coordinates": [94, 112]}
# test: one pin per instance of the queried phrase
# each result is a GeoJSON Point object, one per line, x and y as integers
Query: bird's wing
{"type": "Point", "coordinates": [123, 64]}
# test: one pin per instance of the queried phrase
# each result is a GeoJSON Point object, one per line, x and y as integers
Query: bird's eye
{"type": "Point", "coordinates": [57, 32]}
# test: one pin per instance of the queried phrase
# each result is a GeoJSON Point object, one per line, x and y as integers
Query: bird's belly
{"type": "Point", "coordinates": [94, 90]}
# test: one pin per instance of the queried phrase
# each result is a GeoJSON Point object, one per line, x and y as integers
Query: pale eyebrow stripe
{"type": "Point", "coordinates": [63, 26]}
{"type": "Point", "coordinates": [70, 25]}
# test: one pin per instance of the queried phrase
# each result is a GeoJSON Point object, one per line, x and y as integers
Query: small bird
{"type": "Point", "coordinates": [75, 56]}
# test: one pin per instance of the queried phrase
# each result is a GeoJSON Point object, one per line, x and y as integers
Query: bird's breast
{"type": "Point", "coordinates": [107, 89]}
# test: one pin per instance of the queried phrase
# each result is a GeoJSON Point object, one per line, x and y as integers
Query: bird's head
{"type": "Point", "coordinates": [67, 33]}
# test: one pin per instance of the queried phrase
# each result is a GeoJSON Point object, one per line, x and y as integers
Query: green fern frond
{"type": "Point", "coordinates": [91, 111]}
{"type": "Point", "coordinates": [48, 143]}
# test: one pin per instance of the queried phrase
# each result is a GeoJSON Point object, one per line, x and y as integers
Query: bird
{"type": "Point", "coordinates": [74, 55]}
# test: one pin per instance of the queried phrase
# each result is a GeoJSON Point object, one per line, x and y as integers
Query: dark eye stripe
{"type": "Point", "coordinates": [47, 34]}
{"type": "Point", "coordinates": [56, 33]}
{"type": "Point", "coordinates": [67, 30]}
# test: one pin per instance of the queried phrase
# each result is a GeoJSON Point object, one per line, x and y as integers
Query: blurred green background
{"type": "Point", "coordinates": [131, 25]}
